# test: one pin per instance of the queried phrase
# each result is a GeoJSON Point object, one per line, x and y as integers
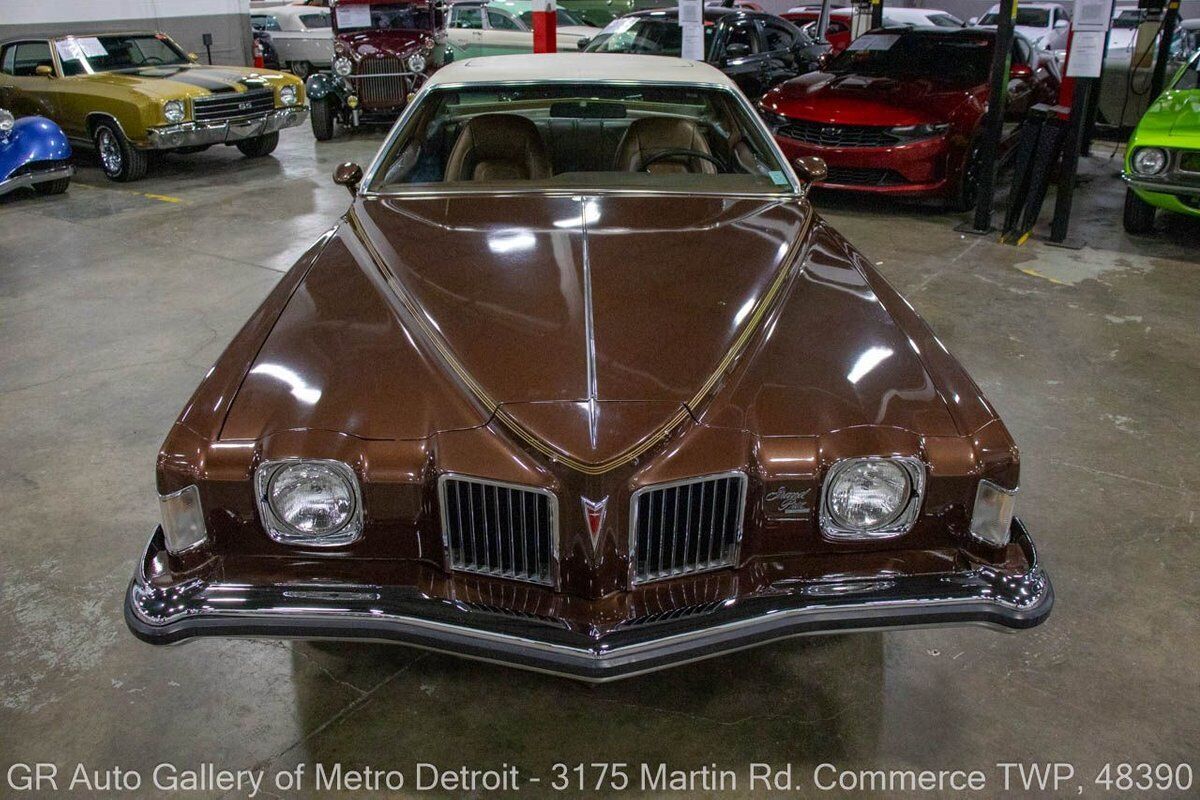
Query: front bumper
{"type": "Point", "coordinates": [206, 603]}
{"type": "Point", "coordinates": [30, 179]}
{"type": "Point", "coordinates": [198, 134]}
{"type": "Point", "coordinates": [915, 169]}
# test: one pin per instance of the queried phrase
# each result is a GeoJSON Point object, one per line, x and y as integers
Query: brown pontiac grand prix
{"type": "Point", "coordinates": [581, 383]}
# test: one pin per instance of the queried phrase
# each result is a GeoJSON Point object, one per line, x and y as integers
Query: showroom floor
{"type": "Point", "coordinates": [115, 299]}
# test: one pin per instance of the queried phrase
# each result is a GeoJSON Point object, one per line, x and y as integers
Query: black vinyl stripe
{"type": "Point", "coordinates": [216, 81]}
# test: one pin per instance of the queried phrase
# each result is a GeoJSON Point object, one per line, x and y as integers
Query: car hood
{"type": "Point", "coordinates": [185, 81]}
{"type": "Point", "coordinates": [586, 323]}
{"type": "Point", "coordinates": [380, 44]}
{"type": "Point", "coordinates": [863, 100]}
{"type": "Point", "coordinates": [1173, 114]}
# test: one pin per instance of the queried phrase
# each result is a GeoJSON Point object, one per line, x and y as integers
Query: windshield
{"type": "Point", "coordinates": [656, 137]}
{"type": "Point", "coordinates": [384, 16]}
{"type": "Point", "coordinates": [82, 55]}
{"type": "Point", "coordinates": [1027, 17]}
{"type": "Point", "coordinates": [1188, 77]}
{"type": "Point", "coordinates": [644, 36]}
{"type": "Point", "coordinates": [954, 60]}
{"type": "Point", "coordinates": [563, 19]}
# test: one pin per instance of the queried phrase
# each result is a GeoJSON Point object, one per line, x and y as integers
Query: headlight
{"type": "Point", "coordinates": [342, 66]}
{"type": "Point", "coordinates": [416, 62]}
{"type": "Point", "coordinates": [287, 95]}
{"type": "Point", "coordinates": [1149, 160]}
{"type": "Point", "coordinates": [7, 121]}
{"type": "Point", "coordinates": [173, 111]}
{"type": "Point", "coordinates": [182, 520]}
{"type": "Point", "coordinates": [311, 502]}
{"type": "Point", "coordinates": [992, 517]}
{"type": "Point", "coordinates": [867, 498]}
{"type": "Point", "coordinates": [911, 133]}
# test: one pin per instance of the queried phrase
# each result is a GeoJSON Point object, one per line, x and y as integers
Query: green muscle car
{"type": "Point", "coordinates": [1162, 161]}
{"type": "Point", "coordinates": [127, 94]}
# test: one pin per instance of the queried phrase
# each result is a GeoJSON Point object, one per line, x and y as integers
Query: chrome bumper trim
{"type": "Point", "coordinates": [194, 134]}
{"type": "Point", "coordinates": [196, 607]}
{"type": "Point", "coordinates": [1162, 188]}
{"type": "Point", "coordinates": [34, 178]}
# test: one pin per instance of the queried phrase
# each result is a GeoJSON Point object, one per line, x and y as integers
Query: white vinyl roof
{"type": "Point", "coordinates": [591, 67]}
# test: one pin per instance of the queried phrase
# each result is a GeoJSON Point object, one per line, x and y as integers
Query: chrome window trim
{"type": "Point", "coordinates": [734, 553]}
{"type": "Point", "coordinates": [281, 532]}
{"type": "Point", "coordinates": [900, 525]}
{"type": "Point", "coordinates": [552, 502]}
{"type": "Point", "coordinates": [409, 112]}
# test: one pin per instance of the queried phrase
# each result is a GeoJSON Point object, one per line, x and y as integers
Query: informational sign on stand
{"type": "Point", "coordinates": [691, 23]}
{"type": "Point", "coordinates": [1088, 35]}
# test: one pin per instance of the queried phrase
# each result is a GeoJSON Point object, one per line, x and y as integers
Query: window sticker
{"type": "Point", "coordinates": [356, 16]}
{"type": "Point", "coordinates": [777, 178]}
{"type": "Point", "coordinates": [69, 49]}
{"type": "Point", "coordinates": [91, 47]}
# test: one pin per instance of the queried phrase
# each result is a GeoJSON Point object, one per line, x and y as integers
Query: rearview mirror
{"type": "Point", "coordinates": [972, 22]}
{"type": "Point", "coordinates": [193, 57]}
{"type": "Point", "coordinates": [1062, 23]}
{"type": "Point", "coordinates": [43, 71]}
{"type": "Point", "coordinates": [1020, 72]}
{"type": "Point", "coordinates": [584, 42]}
{"type": "Point", "coordinates": [811, 169]}
{"type": "Point", "coordinates": [348, 174]}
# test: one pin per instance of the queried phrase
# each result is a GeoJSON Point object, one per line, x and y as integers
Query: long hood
{"type": "Point", "coordinates": [184, 81]}
{"type": "Point", "coordinates": [864, 100]}
{"type": "Point", "coordinates": [383, 44]}
{"type": "Point", "coordinates": [589, 325]}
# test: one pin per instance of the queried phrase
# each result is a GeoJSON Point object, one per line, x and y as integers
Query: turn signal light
{"type": "Point", "coordinates": [992, 518]}
{"type": "Point", "coordinates": [182, 520]}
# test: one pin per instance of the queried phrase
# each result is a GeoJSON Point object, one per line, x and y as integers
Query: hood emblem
{"type": "Point", "coordinates": [593, 515]}
{"type": "Point", "coordinates": [786, 502]}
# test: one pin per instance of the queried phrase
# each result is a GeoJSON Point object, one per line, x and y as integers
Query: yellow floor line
{"type": "Point", "coordinates": [1036, 274]}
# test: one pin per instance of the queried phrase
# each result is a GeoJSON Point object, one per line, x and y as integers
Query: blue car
{"type": "Point", "coordinates": [34, 152]}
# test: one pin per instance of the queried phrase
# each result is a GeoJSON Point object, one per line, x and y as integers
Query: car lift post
{"type": "Point", "coordinates": [823, 20]}
{"type": "Point", "coordinates": [545, 24]}
{"type": "Point", "coordinates": [876, 13]}
{"type": "Point", "coordinates": [993, 127]}
{"type": "Point", "coordinates": [1159, 75]}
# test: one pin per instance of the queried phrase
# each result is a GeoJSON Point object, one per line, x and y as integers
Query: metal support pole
{"type": "Point", "coordinates": [877, 13]}
{"type": "Point", "coordinates": [993, 124]}
{"type": "Point", "coordinates": [1070, 160]}
{"type": "Point", "coordinates": [823, 20]}
{"type": "Point", "coordinates": [1170, 18]}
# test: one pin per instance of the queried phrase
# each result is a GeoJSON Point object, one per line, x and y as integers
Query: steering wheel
{"type": "Point", "coordinates": [675, 152]}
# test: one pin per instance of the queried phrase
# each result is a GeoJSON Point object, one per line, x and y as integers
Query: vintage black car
{"type": "Point", "coordinates": [757, 50]}
{"type": "Point", "coordinates": [382, 53]}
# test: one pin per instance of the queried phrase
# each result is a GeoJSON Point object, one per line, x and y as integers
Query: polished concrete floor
{"type": "Point", "coordinates": [114, 300]}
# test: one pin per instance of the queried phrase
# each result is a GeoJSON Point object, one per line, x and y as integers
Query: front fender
{"type": "Point", "coordinates": [32, 139]}
{"type": "Point", "coordinates": [323, 84]}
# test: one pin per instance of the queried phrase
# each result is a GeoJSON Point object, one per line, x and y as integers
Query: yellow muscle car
{"type": "Point", "coordinates": [127, 94]}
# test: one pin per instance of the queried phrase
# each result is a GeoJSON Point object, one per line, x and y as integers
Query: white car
{"type": "Point", "coordinates": [497, 28]}
{"type": "Point", "coordinates": [1045, 24]}
{"type": "Point", "coordinates": [925, 17]}
{"type": "Point", "coordinates": [302, 35]}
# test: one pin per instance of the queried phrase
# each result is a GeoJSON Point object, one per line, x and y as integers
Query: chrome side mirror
{"type": "Point", "coordinates": [811, 169]}
{"type": "Point", "coordinates": [348, 175]}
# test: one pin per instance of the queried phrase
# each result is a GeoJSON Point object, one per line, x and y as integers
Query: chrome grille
{"type": "Point", "coordinates": [686, 526]}
{"type": "Point", "coordinates": [381, 83]}
{"type": "Point", "coordinates": [499, 529]}
{"type": "Point", "coordinates": [838, 135]}
{"type": "Point", "coordinates": [233, 105]}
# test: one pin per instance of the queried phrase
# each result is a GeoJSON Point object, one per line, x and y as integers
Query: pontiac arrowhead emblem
{"type": "Point", "coordinates": [593, 515]}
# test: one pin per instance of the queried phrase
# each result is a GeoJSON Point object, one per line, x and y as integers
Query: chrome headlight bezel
{"type": "Point", "coordinates": [174, 111]}
{"type": "Point", "coordinates": [342, 66]}
{"type": "Point", "coordinates": [898, 525]}
{"type": "Point", "coordinates": [416, 63]}
{"type": "Point", "coordinates": [281, 531]}
{"type": "Point", "coordinates": [289, 95]}
{"type": "Point", "coordinates": [1136, 162]}
{"type": "Point", "coordinates": [7, 121]}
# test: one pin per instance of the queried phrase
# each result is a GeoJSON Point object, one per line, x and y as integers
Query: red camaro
{"type": "Point", "coordinates": [900, 110]}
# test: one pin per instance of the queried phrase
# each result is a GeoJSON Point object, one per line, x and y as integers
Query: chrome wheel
{"type": "Point", "coordinates": [110, 151]}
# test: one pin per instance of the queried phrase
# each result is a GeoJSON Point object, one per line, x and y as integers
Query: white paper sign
{"type": "Point", "coordinates": [356, 16]}
{"type": "Point", "coordinates": [691, 20]}
{"type": "Point", "coordinates": [691, 12]}
{"type": "Point", "coordinates": [1087, 54]}
{"type": "Point", "coordinates": [1092, 15]}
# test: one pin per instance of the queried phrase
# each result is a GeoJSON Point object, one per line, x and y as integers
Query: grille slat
{"type": "Point", "coordinates": [676, 529]}
{"type": "Point", "coordinates": [233, 105]}
{"type": "Point", "coordinates": [827, 135]}
{"type": "Point", "coordinates": [485, 533]}
{"type": "Point", "coordinates": [380, 84]}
